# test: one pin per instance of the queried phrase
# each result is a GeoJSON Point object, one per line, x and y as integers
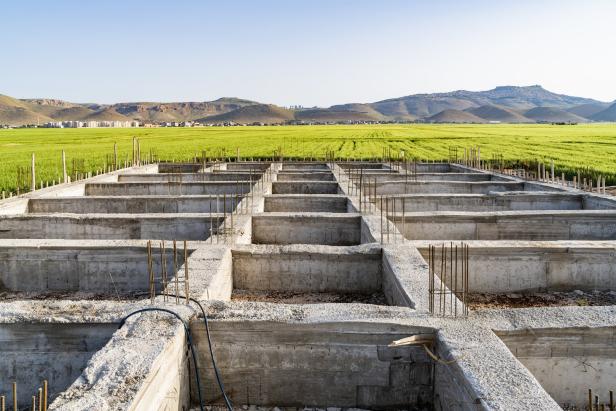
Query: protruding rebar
{"type": "Point", "coordinates": [453, 276]}
{"type": "Point", "coordinates": [163, 269]}
{"type": "Point", "coordinates": [175, 271]}
{"type": "Point", "coordinates": [186, 283]}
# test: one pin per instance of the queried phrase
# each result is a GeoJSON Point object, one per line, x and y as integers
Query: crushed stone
{"type": "Point", "coordinates": [294, 297]}
{"type": "Point", "coordinates": [479, 301]}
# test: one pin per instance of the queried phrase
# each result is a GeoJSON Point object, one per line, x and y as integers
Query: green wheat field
{"type": "Point", "coordinates": [571, 147]}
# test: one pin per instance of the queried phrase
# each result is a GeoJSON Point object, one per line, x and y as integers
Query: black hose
{"type": "Point", "coordinates": [209, 342]}
{"type": "Point", "coordinates": [188, 337]}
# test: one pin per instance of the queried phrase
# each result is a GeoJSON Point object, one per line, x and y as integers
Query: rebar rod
{"type": "Point", "coordinates": [163, 268]}
{"type": "Point", "coordinates": [186, 283]}
{"type": "Point", "coordinates": [175, 272]}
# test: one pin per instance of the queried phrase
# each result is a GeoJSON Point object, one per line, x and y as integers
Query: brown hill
{"type": "Point", "coordinates": [496, 113]}
{"type": "Point", "coordinates": [57, 109]}
{"type": "Point", "coordinates": [504, 104]}
{"type": "Point", "coordinates": [181, 111]}
{"type": "Point", "coordinates": [106, 114]}
{"type": "Point", "coordinates": [77, 113]}
{"type": "Point", "coordinates": [608, 114]}
{"type": "Point", "coordinates": [395, 110]}
{"type": "Point", "coordinates": [553, 115]}
{"type": "Point", "coordinates": [588, 110]}
{"type": "Point", "coordinates": [256, 113]}
{"type": "Point", "coordinates": [363, 110]}
{"type": "Point", "coordinates": [516, 98]}
{"type": "Point", "coordinates": [454, 116]}
{"type": "Point", "coordinates": [346, 112]}
{"type": "Point", "coordinates": [16, 112]}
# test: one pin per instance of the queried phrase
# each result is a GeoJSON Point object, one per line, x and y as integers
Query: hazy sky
{"type": "Point", "coordinates": [310, 52]}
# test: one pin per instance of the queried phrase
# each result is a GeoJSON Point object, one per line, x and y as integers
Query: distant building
{"type": "Point", "coordinates": [92, 124]}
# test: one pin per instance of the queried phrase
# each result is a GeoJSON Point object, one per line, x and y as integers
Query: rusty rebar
{"type": "Point", "coordinates": [175, 271]}
{"type": "Point", "coordinates": [186, 283]}
{"type": "Point", "coordinates": [163, 269]}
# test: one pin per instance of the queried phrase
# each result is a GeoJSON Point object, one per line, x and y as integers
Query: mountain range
{"type": "Point", "coordinates": [506, 104]}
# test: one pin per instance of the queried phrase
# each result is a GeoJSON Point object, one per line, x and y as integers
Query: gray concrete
{"type": "Point", "coordinates": [505, 201]}
{"type": "Point", "coordinates": [305, 187]}
{"type": "Point", "coordinates": [292, 203]}
{"type": "Point", "coordinates": [109, 226]}
{"type": "Point", "coordinates": [134, 204]}
{"type": "Point", "coordinates": [306, 166]}
{"type": "Point", "coordinates": [305, 176]}
{"type": "Point", "coordinates": [514, 225]}
{"type": "Point", "coordinates": [447, 187]}
{"type": "Point", "coordinates": [58, 353]}
{"type": "Point", "coordinates": [369, 176]}
{"type": "Point", "coordinates": [524, 266]}
{"type": "Point", "coordinates": [366, 165]}
{"type": "Point", "coordinates": [171, 188]}
{"type": "Point", "coordinates": [324, 229]}
{"type": "Point", "coordinates": [436, 168]}
{"type": "Point", "coordinates": [340, 364]}
{"type": "Point", "coordinates": [189, 177]}
{"type": "Point", "coordinates": [322, 355]}
{"type": "Point", "coordinates": [180, 167]}
{"type": "Point", "coordinates": [568, 361]}
{"type": "Point", "coordinates": [245, 166]}
{"type": "Point", "coordinates": [99, 267]}
{"type": "Point", "coordinates": [308, 269]}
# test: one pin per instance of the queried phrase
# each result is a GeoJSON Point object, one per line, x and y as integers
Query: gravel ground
{"type": "Point", "coordinates": [548, 299]}
{"type": "Point", "coordinates": [258, 408]}
{"type": "Point", "coordinates": [291, 297]}
{"type": "Point", "coordinates": [70, 296]}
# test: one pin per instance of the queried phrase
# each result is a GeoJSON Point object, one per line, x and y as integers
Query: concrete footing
{"type": "Point", "coordinates": [75, 267]}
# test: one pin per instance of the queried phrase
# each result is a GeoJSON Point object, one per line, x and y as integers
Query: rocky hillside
{"type": "Point", "coordinates": [507, 104]}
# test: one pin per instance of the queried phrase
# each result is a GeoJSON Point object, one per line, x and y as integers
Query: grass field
{"type": "Point", "coordinates": [571, 147]}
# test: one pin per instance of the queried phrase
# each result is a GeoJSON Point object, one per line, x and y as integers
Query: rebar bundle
{"type": "Point", "coordinates": [448, 279]}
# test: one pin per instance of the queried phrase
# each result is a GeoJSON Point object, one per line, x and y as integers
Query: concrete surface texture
{"type": "Point", "coordinates": [74, 263]}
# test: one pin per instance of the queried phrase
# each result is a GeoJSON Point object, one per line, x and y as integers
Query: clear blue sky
{"type": "Point", "coordinates": [310, 52]}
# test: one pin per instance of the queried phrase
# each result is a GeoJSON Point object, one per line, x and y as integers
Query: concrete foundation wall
{"type": "Point", "coordinates": [489, 202]}
{"type": "Point", "coordinates": [31, 353]}
{"type": "Point", "coordinates": [532, 186]}
{"type": "Point", "coordinates": [393, 289]}
{"type": "Point", "coordinates": [521, 226]}
{"type": "Point", "coordinates": [305, 176]}
{"type": "Point", "coordinates": [568, 361]}
{"type": "Point", "coordinates": [434, 168]}
{"type": "Point", "coordinates": [366, 165]}
{"type": "Point", "coordinates": [188, 177]}
{"type": "Point", "coordinates": [452, 390]}
{"type": "Point", "coordinates": [133, 204]}
{"type": "Point", "coordinates": [180, 167]}
{"type": "Point", "coordinates": [161, 189]}
{"type": "Point", "coordinates": [295, 166]}
{"type": "Point", "coordinates": [595, 202]}
{"type": "Point", "coordinates": [246, 166]}
{"type": "Point", "coordinates": [121, 269]}
{"type": "Point", "coordinates": [446, 187]}
{"type": "Point", "coordinates": [368, 176]}
{"type": "Point", "coordinates": [335, 364]}
{"type": "Point", "coordinates": [511, 267]}
{"type": "Point", "coordinates": [107, 227]}
{"type": "Point", "coordinates": [306, 229]}
{"type": "Point", "coordinates": [167, 387]}
{"type": "Point", "coordinates": [307, 187]}
{"type": "Point", "coordinates": [303, 203]}
{"type": "Point", "coordinates": [308, 269]}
